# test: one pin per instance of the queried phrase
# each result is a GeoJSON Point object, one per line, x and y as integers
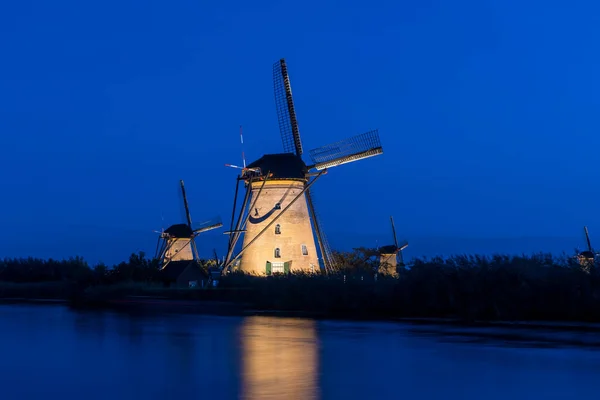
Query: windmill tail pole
{"type": "Point", "coordinates": [185, 203]}
{"type": "Point", "coordinates": [241, 224]}
{"type": "Point", "coordinates": [156, 253]}
{"type": "Point", "coordinates": [274, 219]}
{"type": "Point", "coordinates": [237, 185]}
{"type": "Point", "coordinates": [233, 241]}
{"type": "Point", "coordinates": [167, 247]}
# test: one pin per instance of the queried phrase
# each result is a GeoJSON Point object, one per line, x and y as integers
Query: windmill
{"type": "Point", "coordinates": [587, 257]}
{"type": "Point", "coordinates": [177, 242]}
{"type": "Point", "coordinates": [277, 217]}
{"type": "Point", "coordinates": [390, 256]}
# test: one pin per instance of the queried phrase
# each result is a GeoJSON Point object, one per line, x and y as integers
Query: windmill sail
{"type": "Point", "coordinates": [587, 238]}
{"type": "Point", "coordinates": [185, 204]}
{"type": "Point", "coordinates": [394, 232]}
{"type": "Point", "coordinates": [346, 151]}
{"type": "Point", "coordinates": [262, 251]}
{"type": "Point", "coordinates": [208, 225]}
{"type": "Point", "coordinates": [288, 125]}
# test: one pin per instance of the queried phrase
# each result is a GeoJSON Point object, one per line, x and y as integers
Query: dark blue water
{"type": "Point", "coordinates": [53, 352]}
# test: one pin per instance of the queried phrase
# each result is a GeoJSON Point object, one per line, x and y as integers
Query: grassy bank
{"type": "Point", "coordinates": [37, 290]}
{"type": "Point", "coordinates": [466, 288]}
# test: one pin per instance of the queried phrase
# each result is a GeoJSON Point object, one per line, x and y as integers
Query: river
{"type": "Point", "coordinates": [54, 352]}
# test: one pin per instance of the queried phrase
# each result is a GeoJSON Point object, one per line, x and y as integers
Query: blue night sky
{"type": "Point", "coordinates": [487, 112]}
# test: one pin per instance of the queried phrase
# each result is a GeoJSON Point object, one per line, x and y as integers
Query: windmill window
{"type": "Point", "coordinates": [304, 250]}
{"type": "Point", "coordinates": [278, 206]}
{"type": "Point", "coordinates": [277, 252]}
{"type": "Point", "coordinates": [277, 268]}
{"type": "Point", "coordinates": [277, 229]}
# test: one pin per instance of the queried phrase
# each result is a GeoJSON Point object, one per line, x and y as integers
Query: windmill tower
{"type": "Point", "coordinates": [177, 242]}
{"type": "Point", "coordinates": [586, 258]}
{"type": "Point", "coordinates": [390, 256]}
{"type": "Point", "coordinates": [277, 217]}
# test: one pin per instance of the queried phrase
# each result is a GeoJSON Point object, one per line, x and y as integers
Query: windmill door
{"type": "Point", "coordinates": [268, 268]}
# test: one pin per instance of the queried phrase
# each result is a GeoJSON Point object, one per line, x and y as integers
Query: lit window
{"type": "Point", "coordinates": [304, 250]}
{"type": "Point", "coordinates": [278, 206]}
{"type": "Point", "coordinates": [277, 268]}
{"type": "Point", "coordinates": [277, 229]}
{"type": "Point", "coordinates": [277, 252]}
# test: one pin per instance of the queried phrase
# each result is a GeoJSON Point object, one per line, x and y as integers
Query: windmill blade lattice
{"type": "Point", "coordinates": [286, 115]}
{"type": "Point", "coordinates": [208, 225]}
{"type": "Point", "coordinates": [346, 151]}
{"type": "Point", "coordinates": [394, 232]}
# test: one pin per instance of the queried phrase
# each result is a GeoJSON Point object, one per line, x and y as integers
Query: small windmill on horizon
{"type": "Point", "coordinates": [390, 256]}
{"type": "Point", "coordinates": [277, 217]}
{"type": "Point", "coordinates": [177, 242]}
{"type": "Point", "coordinates": [587, 257]}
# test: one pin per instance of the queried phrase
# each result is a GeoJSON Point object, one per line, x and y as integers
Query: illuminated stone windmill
{"type": "Point", "coordinates": [177, 242]}
{"type": "Point", "coordinates": [587, 258]}
{"type": "Point", "coordinates": [277, 217]}
{"type": "Point", "coordinates": [390, 256]}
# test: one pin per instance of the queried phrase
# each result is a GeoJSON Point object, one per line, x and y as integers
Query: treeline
{"type": "Point", "coordinates": [500, 287]}
{"type": "Point", "coordinates": [470, 288]}
{"type": "Point", "coordinates": [138, 268]}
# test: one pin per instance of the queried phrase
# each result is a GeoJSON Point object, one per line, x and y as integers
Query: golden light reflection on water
{"type": "Point", "coordinates": [279, 358]}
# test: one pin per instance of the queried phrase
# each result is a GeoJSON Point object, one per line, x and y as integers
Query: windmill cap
{"type": "Point", "coordinates": [389, 249]}
{"type": "Point", "coordinates": [179, 231]}
{"type": "Point", "coordinates": [587, 254]}
{"type": "Point", "coordinates": [282, 166]}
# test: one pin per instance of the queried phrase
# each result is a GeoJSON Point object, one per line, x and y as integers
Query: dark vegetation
{"type": "Point", "coordinates": [31, 278]}
{"type": "Point", "coordinates": [469, 288]}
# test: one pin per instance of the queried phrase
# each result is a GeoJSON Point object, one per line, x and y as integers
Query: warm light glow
{"type": "Point", "coordinates": [279, 358]}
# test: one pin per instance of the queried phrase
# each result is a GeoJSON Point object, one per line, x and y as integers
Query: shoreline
{"type": "Point", "coordinates": [160, 304]}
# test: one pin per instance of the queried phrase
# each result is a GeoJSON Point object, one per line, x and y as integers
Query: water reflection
{"type": "Point", "coordinates": [279, 358]}
{"type": "Point", "coordinates": [98, 356]}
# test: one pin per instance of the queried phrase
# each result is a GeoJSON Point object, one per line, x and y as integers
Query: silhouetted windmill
{"type": "Point", "coordinates": [177, 242]}
{"type": "Point", "coordinates": [277, 216]}
{"type": "Point", "coordinates": [390, 256]}
{"type": "Point", "coordinates": [586, 258]}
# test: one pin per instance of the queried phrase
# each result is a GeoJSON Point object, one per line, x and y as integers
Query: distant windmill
{"type": "Point", "coordinates": [278, 217]}
{"type": "Point", "coordinates": [390, 256]}
{"type": "Point", "coordinates": [586, 258]}
{"type": "Point", "coordinates": [177, 242]}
